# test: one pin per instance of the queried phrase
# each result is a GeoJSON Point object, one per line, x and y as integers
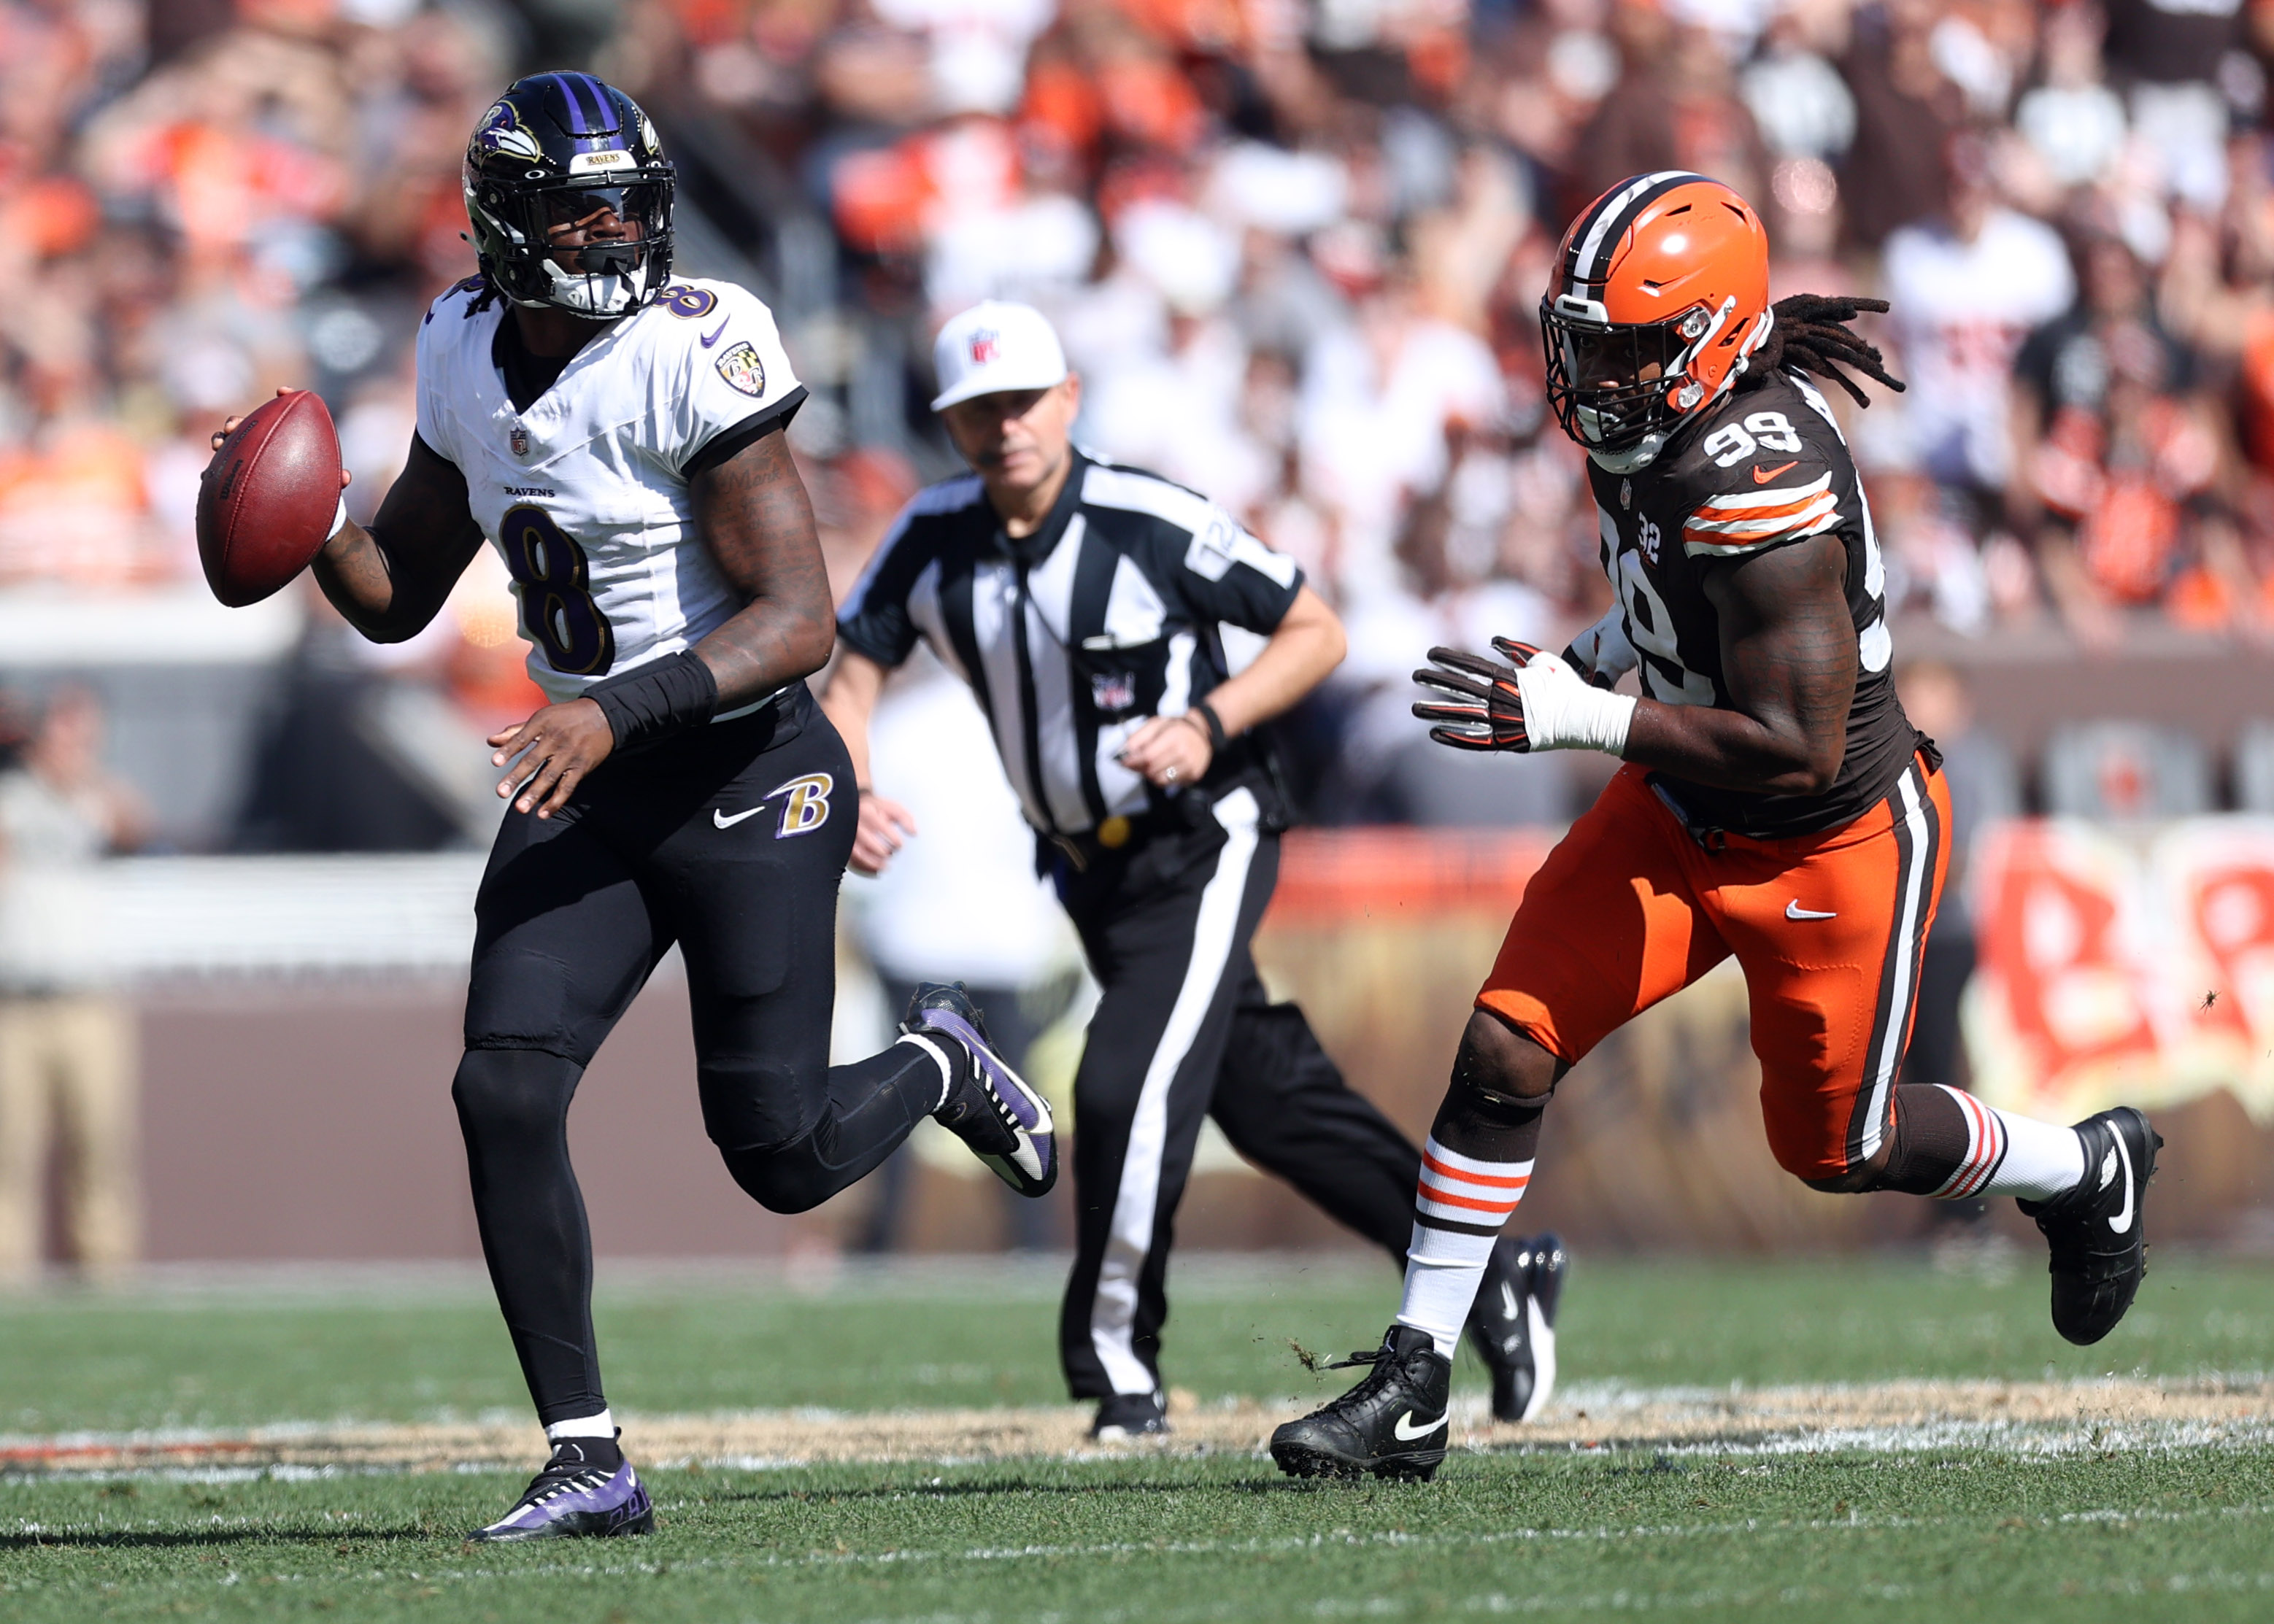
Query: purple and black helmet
{"type": "Point", "coordinates": [556, 151]}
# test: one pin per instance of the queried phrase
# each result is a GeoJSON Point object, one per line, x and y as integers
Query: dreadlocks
{"type": "Point", "coordinates": [1810, 333]}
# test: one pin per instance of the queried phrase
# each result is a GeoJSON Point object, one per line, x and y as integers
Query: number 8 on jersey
{"type": "Point", "coordinates": [557, 611]}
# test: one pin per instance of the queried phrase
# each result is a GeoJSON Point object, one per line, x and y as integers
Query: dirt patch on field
{"type": "Point", "coordinates": [1889, 1415]}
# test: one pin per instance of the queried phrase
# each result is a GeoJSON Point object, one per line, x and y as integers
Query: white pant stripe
{"type": "Point", "coordinates": [1113, 1309]}
{"type": "Point", "coordinates": [1917, 877]}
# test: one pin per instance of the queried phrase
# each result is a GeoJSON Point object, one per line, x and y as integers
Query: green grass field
{"type": "Point", "coordinates": [2128, 1533]}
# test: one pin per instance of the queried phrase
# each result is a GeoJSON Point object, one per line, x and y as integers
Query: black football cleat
{"type": "Point", "coordinates": [586, 1491]}
{"type": "Point", "coordinates": [1125, 1415]}
{"type": "Point", "coordinates": [1394, 1424]}
{"type": "Point", "coordinates": [1513, 1322]}
{"type": "Point", "coordinates": [998, 1113]}
{"type": "Point", "coordinates": [2099, 1253]}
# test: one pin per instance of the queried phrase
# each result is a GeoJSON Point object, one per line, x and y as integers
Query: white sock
{"type": "Point", "coordinates": [602, 1426]}
{"type": "Point", "coordinates": [2007, 1154]}
{"type": "Point", "coordinates": [931, 1046]}
{"type": "Point", "coordinates": [1445, 1267]}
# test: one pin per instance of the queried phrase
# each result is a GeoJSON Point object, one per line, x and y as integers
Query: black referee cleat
{"type": "Point", "coordinates": [2100, 1255]}
{"type": "Point", "coordinates": [1130, 1415]}
{"type": "Point", "coordinates": [1394, 1424]}
{"type": "Point", "coordinates": [1513, 1323]}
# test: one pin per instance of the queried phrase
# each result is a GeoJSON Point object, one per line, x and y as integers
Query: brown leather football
{"type": "Point", "coordinates": [268, 497]}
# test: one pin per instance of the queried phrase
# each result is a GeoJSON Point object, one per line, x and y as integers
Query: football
{"type": "Point", "coordinates": [268, 497]}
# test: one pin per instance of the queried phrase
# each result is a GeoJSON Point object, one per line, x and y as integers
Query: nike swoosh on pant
{"type": "Point", "coordinates": [1792, 909]}
{"type": "Point", "coordinates": [1407, 1434]}
{"type": "Point", "coordinates": [719, 816]}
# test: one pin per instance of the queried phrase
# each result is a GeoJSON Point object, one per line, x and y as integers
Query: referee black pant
{"type": "Point", "coordinates": [1183, 1031]}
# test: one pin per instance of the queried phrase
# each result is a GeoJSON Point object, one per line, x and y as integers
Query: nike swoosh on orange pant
{"type": "Point", "coordinates": [1762, 476]}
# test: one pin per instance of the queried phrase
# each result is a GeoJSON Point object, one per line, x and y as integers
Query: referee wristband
{"type": "Point", "coordinates": [1217, 738]}
{"type": "Point", "coordinates": [658, 700]}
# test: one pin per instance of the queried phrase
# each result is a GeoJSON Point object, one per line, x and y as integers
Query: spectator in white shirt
{"type": "Point", "coordinates": [1966, 291]}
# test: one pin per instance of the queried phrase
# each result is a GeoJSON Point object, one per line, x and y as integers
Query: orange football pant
{"type": "Point", "coordinates": [1629, 908]}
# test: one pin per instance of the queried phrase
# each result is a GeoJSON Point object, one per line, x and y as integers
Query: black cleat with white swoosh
{"type": "Point", "coordinates": [1513, 1323]}
{"type": "Point", "coordinates": [2100, 1255]}
{"type": "Point", "coordinates": [1394, 1424]}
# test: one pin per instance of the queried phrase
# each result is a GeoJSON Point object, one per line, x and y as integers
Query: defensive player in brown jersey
{"type": "Point", "coordinates": [1776, 805]}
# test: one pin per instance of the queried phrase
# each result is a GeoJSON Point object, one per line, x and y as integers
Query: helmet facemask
{"type": "Point", "coordinates": [518, 235]}
{"type": "Point", "coordinates": [1618, 388]}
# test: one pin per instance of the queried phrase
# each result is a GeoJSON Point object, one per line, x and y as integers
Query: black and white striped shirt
{"type": "Point", "coordinates": [1110, 614]}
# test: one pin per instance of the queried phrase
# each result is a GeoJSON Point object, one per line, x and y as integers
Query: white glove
{"type": "Point", "coordinates": [1601, 653]}
{"type": "Point", "coordinates": [1563, 711]}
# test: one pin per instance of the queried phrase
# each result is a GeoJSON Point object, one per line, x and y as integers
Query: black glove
{"type": "Point", "coordinates": [1486, 709]}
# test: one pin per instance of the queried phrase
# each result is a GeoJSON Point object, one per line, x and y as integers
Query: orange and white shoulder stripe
{"type": "Point", "coordinates": [1745, 520]}
{"type": "Point", "coordinates": [1458, 1188]}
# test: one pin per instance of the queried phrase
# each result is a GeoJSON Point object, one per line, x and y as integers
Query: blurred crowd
{"type": "Point", "coordinates": [1294, 246]}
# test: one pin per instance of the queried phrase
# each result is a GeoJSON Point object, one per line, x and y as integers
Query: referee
{"type": "Point", "coordinates": [1083, 603]}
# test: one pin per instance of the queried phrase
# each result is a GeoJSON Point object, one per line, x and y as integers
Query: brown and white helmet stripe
{"type": "Point", "coordinates": [1594, 237]}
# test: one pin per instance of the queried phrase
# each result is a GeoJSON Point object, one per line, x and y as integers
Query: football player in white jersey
{"type": "Point", "coordinates": [617, 436]}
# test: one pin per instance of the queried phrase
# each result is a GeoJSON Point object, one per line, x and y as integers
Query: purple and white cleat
{"type": "Point", "coordinates": [989, 1106]}
{"type": "Point", "coordinates": [580, 1494]}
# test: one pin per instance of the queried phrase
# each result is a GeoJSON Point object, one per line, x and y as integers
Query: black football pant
{"type": "Point", "coordinates": [731, 841]}
{"type": "Point", "coordinates": [1183, 1031]}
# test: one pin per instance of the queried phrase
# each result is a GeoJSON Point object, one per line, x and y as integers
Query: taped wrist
{"type": "Point", "coordinates": [1562, 711]}
{"type": "Point", "coordinates": [658, 700]}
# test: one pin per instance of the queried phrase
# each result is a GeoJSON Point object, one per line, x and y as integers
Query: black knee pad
{"type": "Point", "coordinates": [788, 1178]}
{"type": "Point", "coordinates": [513, 1092]}
{"type": "Point", "coordinates": [757, 1102]}
{"type": "Point", "coordinates": [1478, 1084]}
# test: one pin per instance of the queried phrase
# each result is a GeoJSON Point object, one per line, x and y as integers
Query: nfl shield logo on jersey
{"type": "Point", "coordinates": [740, 367]}
{"type": "Point", "coordinates": [518, 439]}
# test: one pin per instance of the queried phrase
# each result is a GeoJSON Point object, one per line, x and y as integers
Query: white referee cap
{"type": "Point", "coordinates": [995, 346]}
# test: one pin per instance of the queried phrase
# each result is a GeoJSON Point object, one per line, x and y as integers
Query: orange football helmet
{"type": "Point", "coordinates": [1661, 291]}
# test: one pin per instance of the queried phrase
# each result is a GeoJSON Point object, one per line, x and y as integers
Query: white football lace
{"type": "Point", "coordinates": [592, 1479]}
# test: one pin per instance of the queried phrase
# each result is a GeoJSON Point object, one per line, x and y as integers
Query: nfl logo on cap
{"type": "Point", "coordinates": [996, 349]}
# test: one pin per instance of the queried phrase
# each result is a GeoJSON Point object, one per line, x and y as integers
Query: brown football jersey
{"type": "Point", "coordinates": [1766, 466]}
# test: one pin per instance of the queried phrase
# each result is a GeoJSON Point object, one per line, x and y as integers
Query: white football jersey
{"type": "Point", "coordinates": [583, 494]}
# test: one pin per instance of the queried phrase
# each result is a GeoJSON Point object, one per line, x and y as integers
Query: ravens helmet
{"type": "Point", "coordinates": [570, 196]}
{"type": "Point", "coordinates": [1660, 294]}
